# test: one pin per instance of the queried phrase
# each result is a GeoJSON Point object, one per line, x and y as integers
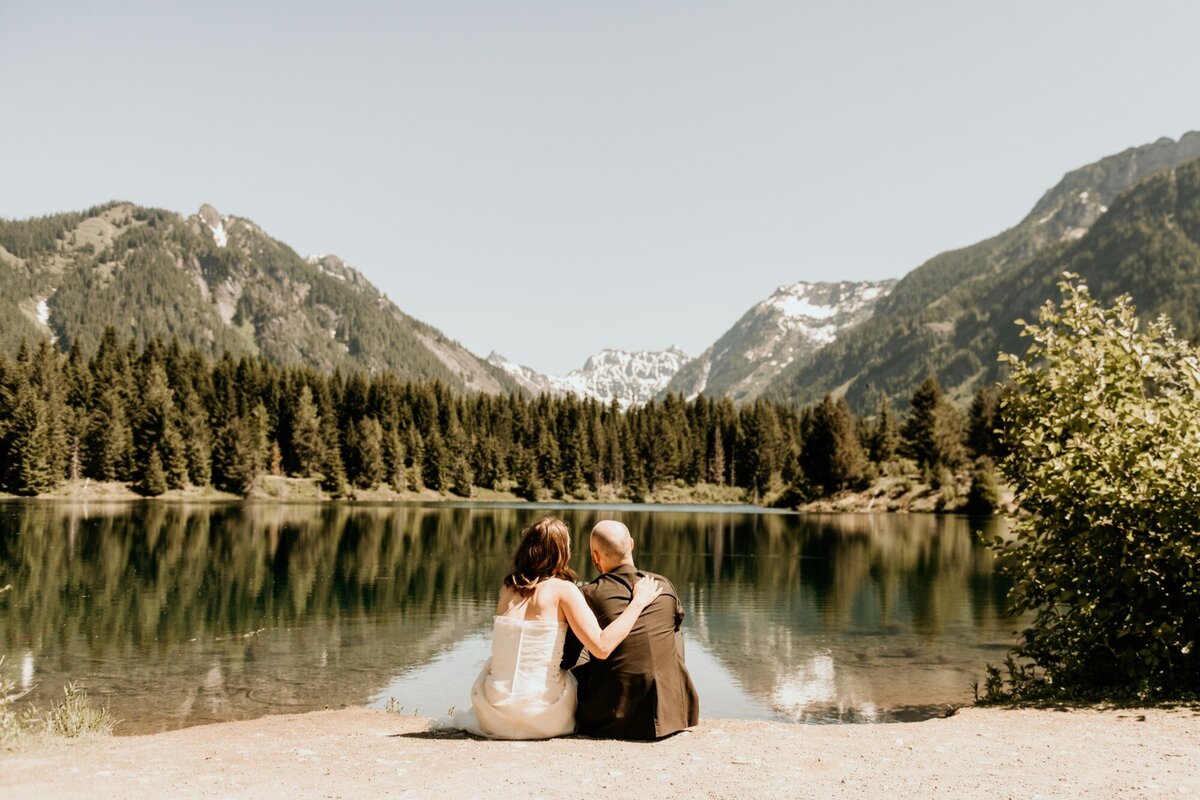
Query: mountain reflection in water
{"type": "Point", "coordinates": [180, 615]}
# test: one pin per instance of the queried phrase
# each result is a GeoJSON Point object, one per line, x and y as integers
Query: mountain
{"type": "Point", "coordinates": [1147, 246]}
{"type": "Point", "coordinates": [630, 378]}
{"type": "Point", "coordinates": [788, 327]}
{"type": "Point", "coordinates": [528, 377]}
{"type": "Point", "coordinates": [218, 283]}
{"type": "Point", "coordinates": [946, 316]}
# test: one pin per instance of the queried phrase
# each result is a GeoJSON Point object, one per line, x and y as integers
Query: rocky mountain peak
{"type": "Point", "coordinates": [1073, 205]}
{"type": "Point", "coordinates": [791, 325]}
{"type": "Point", "coordinates": [335, 267]}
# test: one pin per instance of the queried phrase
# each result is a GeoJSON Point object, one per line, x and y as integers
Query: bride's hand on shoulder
{"type": "Point", "coordinates": [645, 590]}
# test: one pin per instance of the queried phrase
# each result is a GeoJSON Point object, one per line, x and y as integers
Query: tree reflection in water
{"type": "Point", "coordinates": [187, 614]}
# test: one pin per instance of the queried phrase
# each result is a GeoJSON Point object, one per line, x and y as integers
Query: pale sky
{"type": "Point", "coordinates": [550, 178]}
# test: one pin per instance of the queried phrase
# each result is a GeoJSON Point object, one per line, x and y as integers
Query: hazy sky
{"type": "Point", "coordinates": [546, 179]}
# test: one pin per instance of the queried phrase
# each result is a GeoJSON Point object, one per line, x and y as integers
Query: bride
{"type": "Point", "coordinates": [523, 692]}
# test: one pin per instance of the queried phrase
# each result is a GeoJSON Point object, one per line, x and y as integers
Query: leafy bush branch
{"type": "Point", "coordinates": [1102, 440]}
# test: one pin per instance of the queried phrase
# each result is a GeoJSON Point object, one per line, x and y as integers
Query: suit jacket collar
{"type": "Point", "coordinates": [624, 569]}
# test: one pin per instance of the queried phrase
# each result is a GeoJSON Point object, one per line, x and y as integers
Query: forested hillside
{"type": "Point", "coordinates": [218, 284]}
{"type": "Point", "coordinates": [947, 317]}
{"type": "Point", "coordinates": [1147, 246]}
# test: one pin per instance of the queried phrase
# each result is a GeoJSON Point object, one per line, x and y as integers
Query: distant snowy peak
{"type": "Point", "coordinates": [630, 378]}
{"type": "Point", "coordinates": [793, 323]}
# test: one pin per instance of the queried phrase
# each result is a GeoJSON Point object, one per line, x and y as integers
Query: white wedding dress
{"type": "Point", "coordinates": [522, 692]}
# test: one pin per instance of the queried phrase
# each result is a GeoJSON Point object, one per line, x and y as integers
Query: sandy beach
{"type": "Point", "coordinates": [977, 753]}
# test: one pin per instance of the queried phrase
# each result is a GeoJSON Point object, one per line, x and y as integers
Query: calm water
{"type": "Point", "coordinates": [182, 615]}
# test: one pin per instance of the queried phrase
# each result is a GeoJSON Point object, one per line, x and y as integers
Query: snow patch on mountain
{"type": "Point", "coordinates": [41, 309]}
{"type": "Point", "coordinates": [793, 305]}
{"type": "Point", "coordinates": [807, 316]}
{"type": "Point", "coordinates": [211, 219]}
{"type": "Point", "coordinates": [630, 378]}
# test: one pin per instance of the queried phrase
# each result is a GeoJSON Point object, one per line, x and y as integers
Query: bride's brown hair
{"type": "Point", "coordinates": [544, 552]}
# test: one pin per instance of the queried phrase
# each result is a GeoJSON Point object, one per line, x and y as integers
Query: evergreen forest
{"type": "Point", "coordinates": [160, 417]}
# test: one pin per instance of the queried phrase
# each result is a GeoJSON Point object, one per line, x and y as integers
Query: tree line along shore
{"type": "Point", "coordinates": [165, 420]}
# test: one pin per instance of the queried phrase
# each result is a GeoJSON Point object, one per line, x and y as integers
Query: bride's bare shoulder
{"type": "Point", "coordinates": [508, 597]}
{"type": "Point", "coordinates": [564, 587]}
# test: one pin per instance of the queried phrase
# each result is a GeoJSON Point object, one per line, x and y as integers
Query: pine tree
{"type": "Point", "coordinates": [832, 456]}
{"type": "Point", "coordinates": [45, 375]}
{"type": "Point", "coordinates": [393, 460]}
{"type": "Point", "coordinates": [488, 468]}
{"type": "Point", "coordinates": [154, 481]}
{"type": "Point", "coordinates": [436, 477]}
{"type": "Point", "coordinates": [457, 459]}
{"type": "Point", "coordinates": [414, 458]}
{"type": "Point", "coordinates": [156, 428]}
{"type": "Point", "coordinates": [549, 462]}
{"type": "Point", "coordinates": [197, 441]}
{"type": "Point", "coordinates": [460, 475]}
{"type": "Point", "coordinates": [109, 440]}
{"type": "Point", "coordinates": [31, 465]}
{"type": "Point", "coordinates": [235, 462]}
{"type": "Point", "coordinates": [528, 483]}
{"type": "Point", "coordinates": [635, 485]}
{"type": "Point", "coordinates": [306, 434]}
{"type": "Point", "coordinates": [364, 448]}
{"type": "Point", "coordinates": [259, 429]}
{"type": "Point", "coordinates": [333, 469]}
{"type": "Point", "coordinates": [919, 441]}
{"type": "Point", "coordinates": [764, 440]}
{"type": "Point", "coordinates": [983, 420]}
{"type": "Point", "coordinates": [884, 439]}
{"type": "Point", "coordinates": [176, 467]}
{"type": "Point", "coordinates": [933, 432]}
{"type": "Point", "coordinates": [574, 481]}
{"type": "Point", "coordinates": [716, 463]}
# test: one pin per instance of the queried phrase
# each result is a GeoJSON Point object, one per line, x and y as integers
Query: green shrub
{"type": "Point", "coordinates": [75, 715]}
{"type": "Point", "coordinates": [1102, 438]}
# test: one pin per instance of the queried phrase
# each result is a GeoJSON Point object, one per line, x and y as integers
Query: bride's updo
{"type": "Point", "coordinates": [544, 552]}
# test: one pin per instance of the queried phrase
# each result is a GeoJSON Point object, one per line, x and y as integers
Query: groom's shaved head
{"type": "Point", "coordinates": [612, 540]}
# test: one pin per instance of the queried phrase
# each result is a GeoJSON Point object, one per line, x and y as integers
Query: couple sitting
{"type": "Point", "coordinates": [630, 684]}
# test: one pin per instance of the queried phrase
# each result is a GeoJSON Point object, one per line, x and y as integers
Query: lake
{"type": "Point", "coordinates": [179, 615]}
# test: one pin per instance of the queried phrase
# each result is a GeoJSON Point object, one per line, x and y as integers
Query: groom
{"type": "Point", "coordinates": [642, 690]}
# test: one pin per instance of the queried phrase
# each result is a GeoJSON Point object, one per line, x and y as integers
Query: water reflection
{"type": "Point", "coordinates": [189, 614]}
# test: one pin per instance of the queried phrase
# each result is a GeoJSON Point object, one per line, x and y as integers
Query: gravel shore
{"type": "Point", "coordinates": [977, 753]}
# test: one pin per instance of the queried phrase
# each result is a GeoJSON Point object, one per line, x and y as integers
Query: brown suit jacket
{"type": "Point", "coordinates": [642, 690]}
